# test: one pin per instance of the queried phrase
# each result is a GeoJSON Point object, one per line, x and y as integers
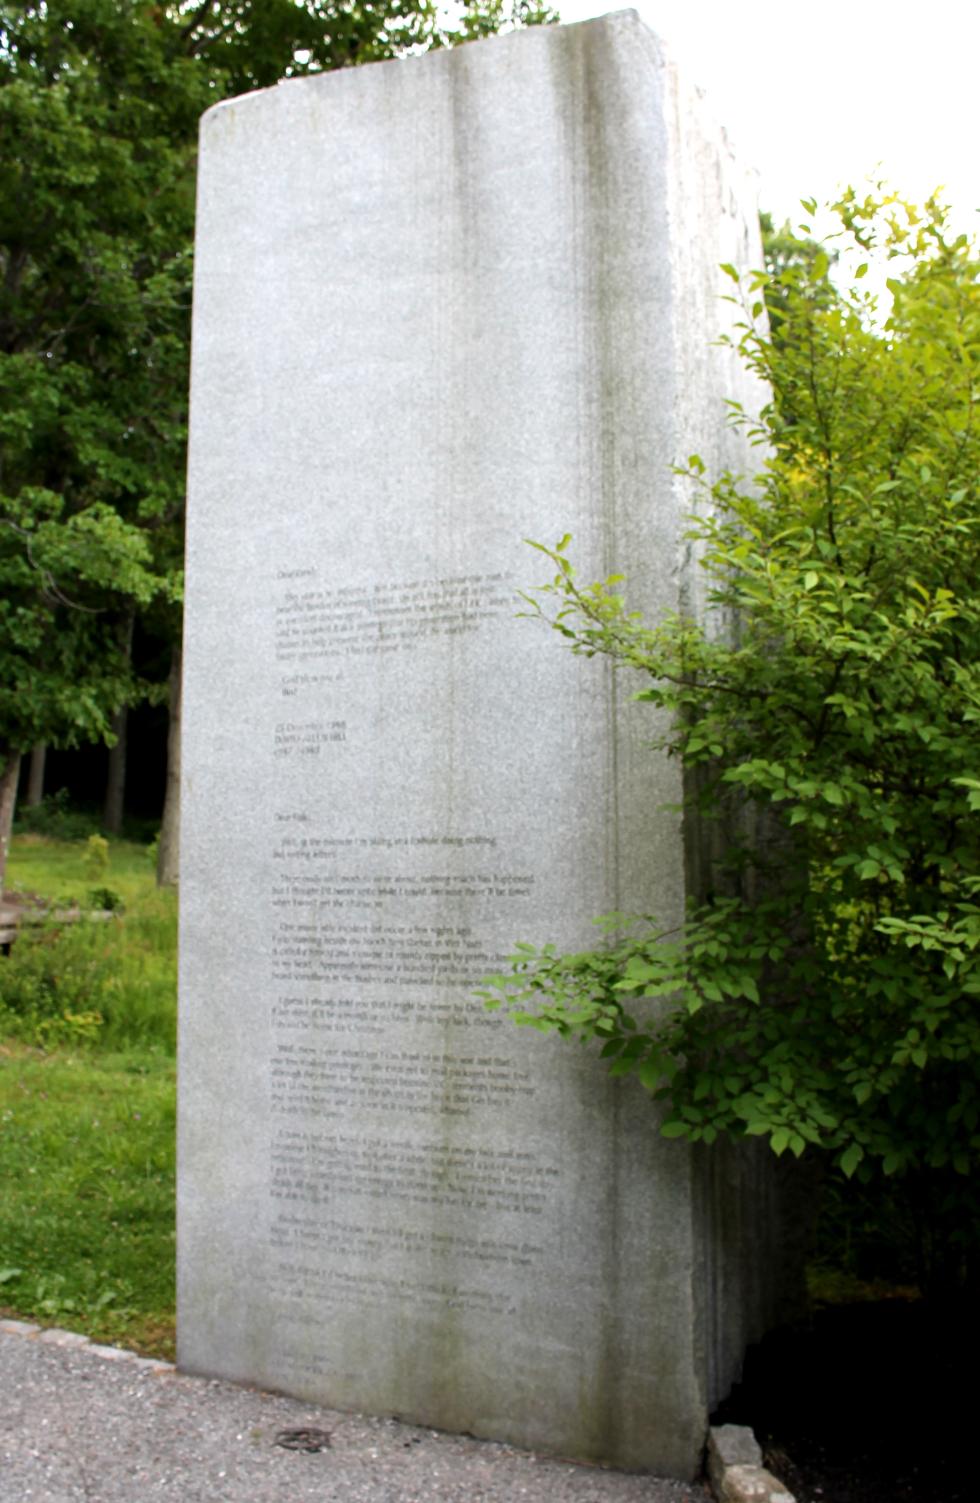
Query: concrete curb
{"type": "Point", "coordinates": [55, 1336]}
{"type": "Point", "coordinates": [735, 1469]}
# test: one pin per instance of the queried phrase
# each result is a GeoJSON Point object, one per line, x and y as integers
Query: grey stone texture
{"type": "Point", "coordinates": [443, 306]}
{"type": "Point", "coordinates": [735, 1469]}
{"type": "Point", "coordinates": [731, 1445]}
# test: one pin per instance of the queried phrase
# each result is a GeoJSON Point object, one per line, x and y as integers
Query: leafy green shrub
{"type": "Point", "coordinates": [96, 859]}
{"type": "Point", "coordinates": [52, 974]}
{"type": "Point", "coordinates": [824, 988]}
{"type": "Point", "coordinates": [69, 1029]}
{"type": "Point", "coordinates": [111, 982]}
{"type": "Point", "coordinates": [105, 900]}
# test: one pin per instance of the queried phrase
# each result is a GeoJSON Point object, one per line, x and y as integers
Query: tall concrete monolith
{"type": "Point", "coordinates": [443, 306]}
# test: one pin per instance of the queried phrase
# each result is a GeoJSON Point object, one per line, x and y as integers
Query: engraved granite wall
{"type": "Point", "coordinates": [442, 306]}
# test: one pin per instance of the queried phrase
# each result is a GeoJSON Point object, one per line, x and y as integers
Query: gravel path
{"type": "Point", "coordinates": [86, 1424]}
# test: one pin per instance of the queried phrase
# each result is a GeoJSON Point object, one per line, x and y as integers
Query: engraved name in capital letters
{"type": "Point", "coordinates": [307, 738]}
{"type": "Point", "coordinates": [313, 622]}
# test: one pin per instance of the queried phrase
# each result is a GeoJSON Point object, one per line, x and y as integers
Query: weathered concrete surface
{"type": "Point", "coordinates": [441, 307]}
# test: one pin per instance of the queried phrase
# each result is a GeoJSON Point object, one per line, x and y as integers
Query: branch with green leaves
{"type": "Point", "coordinates": [822, 992]}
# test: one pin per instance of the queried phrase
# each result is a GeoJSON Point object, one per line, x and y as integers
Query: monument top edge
{"type": "Point", "coordinates": [627, 18]}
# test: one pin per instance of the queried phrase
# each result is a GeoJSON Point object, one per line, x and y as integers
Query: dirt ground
{"type": "Point", "coordinates": [865, 1403]}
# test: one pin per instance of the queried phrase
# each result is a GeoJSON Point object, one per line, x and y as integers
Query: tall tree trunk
{"type": "Point", "coordinates": [35, 777]}
{"type": "Point", "coordinates": [10, 764]}
{"type": "Point", "coordinates": [115, 789]}
{"type": "Point", "coordinates": [168, 861]}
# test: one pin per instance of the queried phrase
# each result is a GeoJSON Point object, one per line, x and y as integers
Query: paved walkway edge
{"type": "Point", "coordinates": [55, 1336]}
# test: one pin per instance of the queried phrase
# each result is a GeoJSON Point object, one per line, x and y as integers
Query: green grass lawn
{"type": "Point", "coordinates": [67, 871]}
{"type": "Point", "coordinates": [87, 1101]}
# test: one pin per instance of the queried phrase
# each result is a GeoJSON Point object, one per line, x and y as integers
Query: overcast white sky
{"type": "Point", "coordinates": [817, 95]}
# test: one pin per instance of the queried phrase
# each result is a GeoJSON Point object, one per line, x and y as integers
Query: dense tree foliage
{"type": "Point", "coordinates": [823, 991]}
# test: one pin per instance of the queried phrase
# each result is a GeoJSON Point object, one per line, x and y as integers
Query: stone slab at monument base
{"type": "Point", "coordinates": [443, 306]}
